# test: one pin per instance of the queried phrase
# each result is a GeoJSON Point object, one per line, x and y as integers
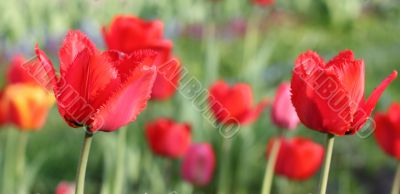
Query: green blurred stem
{"type": "Point", "coordinates": [22, 143]}
{"type": "Point", "coordinates": [396, 181]}
{"type": "Point", "coordinates": [224, 185]}
{"type": "Point", "coordinates": [80, 176]}
{"type": "Point", "coordinates": [21, 154]}
{"type": "Point", "coordinates": [269, 170]}
{"type": "Point", "coordinates": [119, 176]}
{"type": "Point", "coordinates": [8, 178]}
{"type": "Point", "coordinates": [328, 158]}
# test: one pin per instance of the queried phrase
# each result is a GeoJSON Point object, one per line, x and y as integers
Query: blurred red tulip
{"type": "Point", "coordinates": [263, 2]}
{"type": "Point", "coordinates": [129, 33]}
{"type": "Point", "coordinates": [329, 97]}
{"type": "Point", "coordinates": [99, 90]}
{"type": "Point", "coordinates": [198, 164]}
{"type": "Point", "coordinates": [3, 109]}
{"type": "Point", "coordinates": [168, 138]}
{"type": "Point", "coordinates": [65, 188]}
{"type": "Point", "coordinates": [283, 113]}
{"type": "Point", "coordinates": [234, 104]}
{"type": "Point", "coordinates": [298, 158]}
{"type": "Point", "coordinates": [27, 105]}
{"type": "Point", "coordinates": [387, 132]}
{"type": "Point", "coordinates": [17, 74]}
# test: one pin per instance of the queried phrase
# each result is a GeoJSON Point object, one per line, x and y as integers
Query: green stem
{"type": "Point", "coordinates": [21, 154]}
{"type": "Point", "coordinates": [328, 158]}
{"type": "Point", "coordinates": [223, 187]}
{"type": "Point", "coordinates": [8, 174]}
{"type": "Point", "coordinates": [80, 176]}
{"type": "Point", "coordinates": [23, 141]}
{"type": "Point", "coordinates": [269, 170]}
{"type": "Point", "coordinates": [396, 181]}
{"type": "Point", "coordinates": [119, 176]}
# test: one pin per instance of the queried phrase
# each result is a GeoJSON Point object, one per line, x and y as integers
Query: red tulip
{"type": "Point", "coordinates": [198, 164]}
{"type": "Point", "coordinates": [298, 158]}
{"type": "Point", "coordinates": [263, 2]}
{"type": "Point", "coordinates": [387, 133]}
{"type": "Point", "coordinates": [329, 97]}
{"type": "Point", "coordinates": [234, 104]}
{"type": "Point", "coordinates": [99, 90]}
{"type": "Point", "coordinates": [168, 138]}
{"type": "Point", "coordinates": [283, 113]}
{"type": "Point", "coordinates": [65, 188]}
{"type": "Point", "coordinates": [129, 33]}
{"type": "Point", "coordinates": [16, 72]}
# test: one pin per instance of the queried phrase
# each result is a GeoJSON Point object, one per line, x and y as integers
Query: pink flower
{"type": "Point", "coordinates": [198, 164]}
{"type": "Point", "coordinates": [283, 113]}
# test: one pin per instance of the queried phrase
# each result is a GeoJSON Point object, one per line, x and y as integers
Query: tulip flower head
{"type": "Point", "coordinates": [329, 97]}
{"type": "Point", "coordinates": [198, 164]}
{"type": "Point", "coordinates": [283, 113]}
{"type": "Point", "coordinates": [387, 132]}
{"type": "Point", "coordinates": [168, 138]}
{"type": "Point", "coordinates": [298, 158]}
{"type": "Point", "coordinates": [129, 33]}
{"type": "Point", "coordinates": [65, 188]}
{"type": "Point", "coordinates": [99, 90]}
{"type": "Point", "coordinates": [27, 105]}
{"type": "Point", "coordinates": [234, 104]}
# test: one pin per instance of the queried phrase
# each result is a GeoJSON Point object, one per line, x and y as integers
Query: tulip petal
{"type": "Point", "coordinates": [43, 70]}
{"type": "Point", "coordinates": [167, 80]}
{"type": "Point", "coordinates": [91, 74]}
{"type": "Point", "coordinates": [74, 43]}
{"type": "Point", "coordinates": [238, 100]}
{"type": "Point", "coordinates": [127, 102]}
{"type": "Point", "coordinates": [136, 58]}
{"type": "Point", "coordinates": [366, 107]}
{"type": "Point", "coordinates": [352, 74]}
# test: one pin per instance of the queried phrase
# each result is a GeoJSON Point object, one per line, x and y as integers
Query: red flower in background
{"type": "Point", "coordinates": [298, 158]}
{"type": "Point", "coordinates": [17, 74]}
{"type": "Point", "coordinates": [263, 2]}
{"type": "Point", "coordinates": [387, 132]}
{"type": "Point", "coordinates": [234, 104]}
{"type": "Point", "coordinates": [168, 138]}
{"type": "Point", "coordinates": [329, 97]}
{"type": "Point", "coordinates": [129, 33]}
{"type": "Point", "coordinates": [283, 113]}
{"type": "Point", "coordinates": [198, 164]}
{"type": "Point", "coordinates": [65, 188]}
{"type": "Point", "coordinates": [99, 90]}
{"type": "Point", "coordinates": [24, 102]}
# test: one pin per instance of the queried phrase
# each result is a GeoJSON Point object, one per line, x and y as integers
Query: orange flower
{"type": "Point", "coordinates": [27, 105]}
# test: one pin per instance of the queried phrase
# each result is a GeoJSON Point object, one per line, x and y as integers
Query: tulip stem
{"type": "Point", "coordinates": [21, 154]}
{"type": "Point", "coordinates": [396, 181]}
{"type": "Point", "coordinates": [270, 168]}
{"type": "Point", "coordinates": [328, 158]}
{"type": "Point", "coordinates": [224, 185]}
{"type": "Point", "coordinates": [80, 176]}
{"type": "Point", "coordinates": [119, 176]}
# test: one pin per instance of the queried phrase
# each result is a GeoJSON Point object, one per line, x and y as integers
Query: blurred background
{"type": "Point", "coordinates": [238, 41]}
